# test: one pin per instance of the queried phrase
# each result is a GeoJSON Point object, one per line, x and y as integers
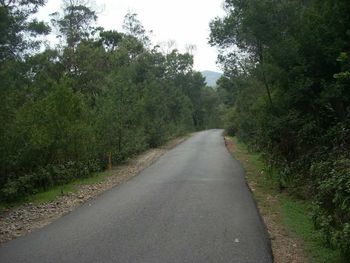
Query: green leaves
{"type": "Point", "coordinates": [15, 24]}
{"type": "Point", "coordinates": [75, 22]}
{"type": "Point", "coordinates": [35, 27]}
{"type": "Point", "coordinates": [55, 123]}
{"type": "Point", "coordinates": [343, 59]}
{"type": "Point", "coordinates": [332, 200]}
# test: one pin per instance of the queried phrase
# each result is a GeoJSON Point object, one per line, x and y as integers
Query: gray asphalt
{"type": "Point", "coordinates": [192, 205]}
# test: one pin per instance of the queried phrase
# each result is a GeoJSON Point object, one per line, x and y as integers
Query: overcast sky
{"type": "Point", "coordinates": [185, 21]}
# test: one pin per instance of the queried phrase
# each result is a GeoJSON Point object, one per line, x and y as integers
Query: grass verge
{"type": "Point", "coordinates": [57, 191]}
{"type": "Point", "coordinates": [53, 193]}
{"type": "Point", "coordinates": [282, 211]}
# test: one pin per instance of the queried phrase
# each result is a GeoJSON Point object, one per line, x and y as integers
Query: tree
{"type": "Point", "coordinates": [133, 27]}
{"type": "Point", "coordinates": [18, 31]}
{"type": "Point", "coordinates": [75, 22]}
{"type": "Point", "coordinates": [18, 28]}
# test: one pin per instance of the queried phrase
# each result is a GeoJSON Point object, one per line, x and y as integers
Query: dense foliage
{"type": "Point", "coordinates": [286, 89]}
{"type": "Point", "coordinates": [66, 111]}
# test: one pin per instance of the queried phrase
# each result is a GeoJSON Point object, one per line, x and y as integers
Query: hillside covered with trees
{"type": "Point", "coordinates": [98, 96]}
{"type": "Point", "coordinates": [286, 90]}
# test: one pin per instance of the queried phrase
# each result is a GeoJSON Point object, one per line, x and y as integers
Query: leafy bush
{"type": "Point", "coordinates": [230, 122]}
{"type": "Point", "coordinates": [332, 201]}
{"type": "Point", "coordinates": [44, 178]}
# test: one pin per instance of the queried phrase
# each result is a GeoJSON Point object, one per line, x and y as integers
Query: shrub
{"type": "Point", "coordinates": [230, 122]}
{"type": "Point", "coordinates": [332, 201]}
{"type": "Point", "coordinates": [46, 177]}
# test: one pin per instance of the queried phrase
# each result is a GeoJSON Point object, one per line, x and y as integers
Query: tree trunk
{"type": "Point", "coordinates": [267, 87]}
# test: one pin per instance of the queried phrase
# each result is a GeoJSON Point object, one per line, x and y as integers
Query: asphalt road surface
{"type": "Point", "coordinates": [192, 205]}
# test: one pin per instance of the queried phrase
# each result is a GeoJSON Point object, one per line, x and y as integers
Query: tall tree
{"type": "Point", "coordinates": [18, 27]}
{"type": "Point", "coordinates": [75, 23]}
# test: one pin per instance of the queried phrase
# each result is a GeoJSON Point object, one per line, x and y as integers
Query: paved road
{"type": "Point", "coordinates": [192, 205]}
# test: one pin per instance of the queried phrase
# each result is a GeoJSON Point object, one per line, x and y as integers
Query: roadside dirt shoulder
{"type": "Point", "coordinates": [20, 220]}
{"type": "Point", "coordinates": [285, 247]}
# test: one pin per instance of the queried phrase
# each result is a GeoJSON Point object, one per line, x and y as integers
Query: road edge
{"type": "Point", "coordinates": [261, 218]}
{"type": "Point", "coordinates": [285, 248]}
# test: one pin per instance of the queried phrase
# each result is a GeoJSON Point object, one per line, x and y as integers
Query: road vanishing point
{"type": "Point", "coordinates": [191, 205]}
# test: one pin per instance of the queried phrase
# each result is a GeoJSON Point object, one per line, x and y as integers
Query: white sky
{"type": "Point", "coordinates": [185, 21]}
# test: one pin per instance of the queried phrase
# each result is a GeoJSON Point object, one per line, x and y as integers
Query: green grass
{"type": "Point", "coordinates": [51, 194]}
{"type": "Point", "coordinates": [293, 214]}
{"type": "Point", "coordinates": [296, 215]}
{"type": "Point", "coordinates": [96, 178]}
{"type": "Point", "coordinates": [57, 191]}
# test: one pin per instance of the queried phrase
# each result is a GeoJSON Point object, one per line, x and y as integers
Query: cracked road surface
{"type": "Point", "coordinates": [191, 205]}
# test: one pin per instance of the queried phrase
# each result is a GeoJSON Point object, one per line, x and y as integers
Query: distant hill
{"type": "Point", "coordinates": [211, 77]}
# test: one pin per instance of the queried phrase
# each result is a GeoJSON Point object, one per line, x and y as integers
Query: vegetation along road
{"type": "Point", "coordinates": [81, 93]}
{"type": "Point", "coordinates": [192, 205]}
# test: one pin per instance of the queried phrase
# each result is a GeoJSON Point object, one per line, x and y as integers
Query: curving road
{"type": "Point", "coordinates": [192, 205]}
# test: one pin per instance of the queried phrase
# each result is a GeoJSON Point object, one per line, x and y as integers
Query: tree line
{"type": "Point", "coordinates": [286, 90]}
{"type": "Point", "coordinates": [97, 98]}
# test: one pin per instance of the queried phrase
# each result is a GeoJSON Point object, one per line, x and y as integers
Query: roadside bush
{"type": "Point", "coordinates": [230, 122]}
{"type": "Point", "coordinates": [46, 177]}
{"type": "Point", "coordinates": [332, 201]}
